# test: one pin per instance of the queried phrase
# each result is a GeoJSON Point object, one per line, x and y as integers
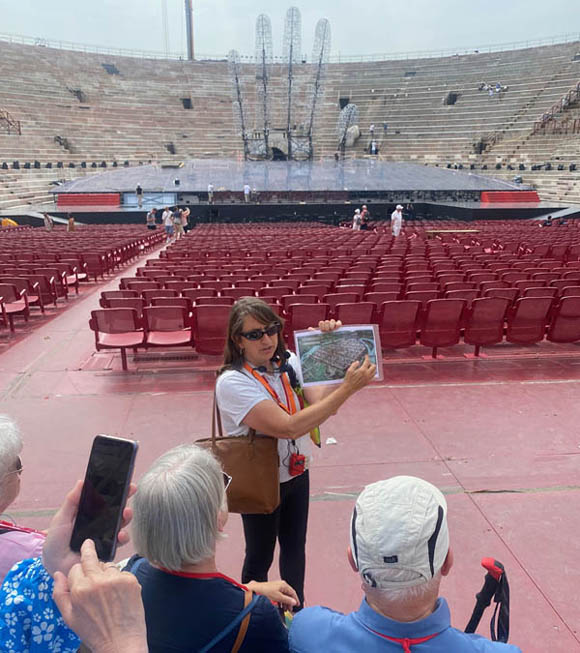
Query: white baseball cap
{"type": "Point", "coordinates": [399, 536]}
{"type": "Point", "coordinates": [399, 206]}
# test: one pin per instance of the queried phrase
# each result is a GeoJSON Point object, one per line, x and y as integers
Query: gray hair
{"type": "Point", "coordinates": [10, 448]}
{"type": "Point", "coordinates": [386, 597]}
{"type": "Point", "coordinates": [176, 508]}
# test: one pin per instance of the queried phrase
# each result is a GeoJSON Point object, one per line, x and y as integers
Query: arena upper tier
{"type": "Point", "coordinates": [71, 110]}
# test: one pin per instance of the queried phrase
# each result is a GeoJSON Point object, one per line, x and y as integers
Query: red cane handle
{"type": "Point", "coordinates": [494, 567]}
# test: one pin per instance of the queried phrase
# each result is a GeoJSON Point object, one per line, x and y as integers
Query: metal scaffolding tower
{"type": "Point", "coordinates": [291, 52]}
{"type": "Point", "coordinates": [264, 59]}
{"type": "Point", "coordinates": [348, 117]}
{"type": "Point", "coordinates": [320, 54]}
{"type": "Point", "coordinates": [237, 101]}
{"type": "Point", "coordinates": [189, 29]}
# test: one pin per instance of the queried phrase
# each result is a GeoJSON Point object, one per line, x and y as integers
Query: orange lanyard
{"type": "Point", "coordinates": [290, 406]}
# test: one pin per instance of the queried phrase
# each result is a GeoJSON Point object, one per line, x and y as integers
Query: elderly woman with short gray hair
{"type": "Point", "coordinates": [16, 543]}
{"type": "Point", "coordinates": [180, 511]}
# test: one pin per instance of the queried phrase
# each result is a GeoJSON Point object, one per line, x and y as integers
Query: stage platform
{"type": "Point", "coordinates": [325, 212]}
{"type": "Point", "coordinates": [370, 174]}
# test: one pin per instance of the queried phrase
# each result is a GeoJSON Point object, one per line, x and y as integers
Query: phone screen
{"type": "Point", "coordinates": [104, 494]}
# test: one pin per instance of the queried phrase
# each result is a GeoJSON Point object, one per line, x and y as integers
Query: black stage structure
{"type": "Point", "coordinates": [327, 191]}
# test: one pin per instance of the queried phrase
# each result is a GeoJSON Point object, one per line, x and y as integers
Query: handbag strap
{"type": "Point", "coordinates": [228, 629]}
{"type": "Point", "coordinates": [216, 418]}
{"type": "Point", "coordinates": [244, 625]}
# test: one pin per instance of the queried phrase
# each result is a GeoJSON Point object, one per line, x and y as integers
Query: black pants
{"type": "Point", "coordinates": [288, 524]}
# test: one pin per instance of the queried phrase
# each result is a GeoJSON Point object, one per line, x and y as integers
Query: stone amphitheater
{"type": "Point", "coordinates": [77, 106]}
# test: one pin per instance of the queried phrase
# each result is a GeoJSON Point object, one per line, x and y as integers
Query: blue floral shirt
{"type": "Point", "coordinates": [30, 622]}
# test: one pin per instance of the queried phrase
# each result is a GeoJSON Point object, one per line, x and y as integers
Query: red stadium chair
{"type": "Point", "coordinates": [442, 323]}
{"type": "Point", "coordinates": [565, 322]}
{"type": "Point", "coordinates": [526, 321]}
{"type": "Point", "coordinates": [485, 322]}
{"type": "Point", "coordinates": [167, 326]}
{"type": "Point", "coordinates": [506, 293]}
{"type": "Point", "coordinates": [398, 322]}
{"type": "Point", "coordinates": [117, 328]}
{"type": "Point", "coordinates": [355, 313]}
{"type": "Point", "coordinates": [128, 302]}
{"type": "Point", "coordinates": [302, 316]}
{"type": "Point", "coordinates": [210, 328]}
{"type": "Point", "coordinates": [339, 298]}
{"type": "Point", "coordinates": [15, 302]}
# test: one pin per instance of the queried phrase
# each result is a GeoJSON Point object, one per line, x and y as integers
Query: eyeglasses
{"type": "Point", "coordinates": [227, 480]}
{"type": "Point", "coordinates": [19, 469]}
{"type": "Point", "coordinates": [258, 334]}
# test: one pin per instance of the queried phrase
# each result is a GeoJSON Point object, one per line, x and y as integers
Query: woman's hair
{"type": "Point", "coordinates": [10, 448]}
{"type": "Point", "coordinates": [176, 508]}
{"type": "Point", "coordinates": [260, 311]}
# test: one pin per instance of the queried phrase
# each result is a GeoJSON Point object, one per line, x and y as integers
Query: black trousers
{"type": "Point", "coordinates": [287, 524]}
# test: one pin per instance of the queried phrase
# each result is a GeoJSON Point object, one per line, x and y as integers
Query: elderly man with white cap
{"type": "Point", "coordinates": [400, 547]}
{"type": "Point", "coordinates": [397, 220]}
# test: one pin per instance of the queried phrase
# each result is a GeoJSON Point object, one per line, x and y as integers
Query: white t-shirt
{"type": "Point", "coordinates": [238, 392]}
{"type": "Point", "coordinates": [396, 216]}
{"type": "Point", "coordinates": [247, 189]}
{"type": "Point", "coordinates": [167, 218]}
{"type": "Point", "coordinates": [210, 188]}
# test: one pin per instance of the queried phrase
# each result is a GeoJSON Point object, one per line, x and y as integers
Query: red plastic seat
{"type": "Point", "coordinates": [148, 295]}
{"type": "Point", "coordinates": [469, 294]}
{"type": "Point", "coordinates": [355, 313]}
{"type": "Point", "coordinates": [384, 286]}
{"type": "Point", "coordinates": [422, 296]}
{"type": "Point", "coordinates": [96, 265]}
{"type": "Point", "coordinates": [59, 280]}
{"type": "Point", "coordinates": [183, 302]}
{"type": "Point", "coordinates": [302, 316]}
{"type": "Point", "coordinates": [107, 295]}
{"type": "Point", "coordinates": [179, 286]}
{"type": "Point", "coordinates": [215, 301]}
{"type": "Point", "coordinates": [275, 291]}
{"type": "Point", "coordinates": [506, 293]}
{"type": "Point", "coordinates": [565, 322]}
{"type": "Point", "coordinates": [485, 322]}
{"type": "Point", "coordinates": [140, 286]}
{"type": "Point", "coordinates": [398, 323]}
{"type": "Point", "coordinates": [167, 326]}
{"type": "Point", "coordinates": [287, 300]}
{"type": "Point", "coordinates": [379, 298]}
{"type": "Point", "coordinates": [526, 321]}
{"type": "Point", "coordinates": [15, 302]}
{"type": "Point", "coordinates": [442, 323]}
{"type": "Point", "coordinates": [358, 289]}
{"type": "Point", "coordinates": [117, 328]}
{"type": "Point", "coordinates": [543, 291]}
{"type": "Point", "coordinates": [128, 302]}
{"type": "Point", "coordinates": [210, 328]}
{"type": "Point", "coordinates": [194, 293]}
{"type": "Point", "coordinates": [32, 290]}
{"type": "Point", "coordinates": [318, 290]}
{"type": "Point", "coordinates": [570, 291]}
{"type": "Point", "coordinates": [333, 299]}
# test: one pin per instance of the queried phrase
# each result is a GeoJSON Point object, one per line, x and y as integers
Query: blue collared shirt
{"type": "Point", "coordinates": [320, 629]}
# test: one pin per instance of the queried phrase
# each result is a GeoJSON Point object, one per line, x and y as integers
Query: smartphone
{"type": "Point", "coordinates": [104, 495]}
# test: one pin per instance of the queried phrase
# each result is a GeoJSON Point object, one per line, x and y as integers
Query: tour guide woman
{"type": "Point", "coordinates": [256, 389]}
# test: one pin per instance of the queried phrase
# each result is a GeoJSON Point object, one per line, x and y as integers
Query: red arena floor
{"type": "Point", "coordinates": [498, 435]}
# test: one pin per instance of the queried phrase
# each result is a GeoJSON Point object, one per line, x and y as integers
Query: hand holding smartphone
{"type": "Point", "coordinates": [104, 494]}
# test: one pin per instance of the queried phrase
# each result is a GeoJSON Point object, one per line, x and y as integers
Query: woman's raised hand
{"type": "Point", "coordinates": [329, 325]}
{"type": "Point", "coordinates": [359, 375]}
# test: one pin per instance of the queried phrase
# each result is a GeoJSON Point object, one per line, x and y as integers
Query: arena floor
{"type": "Point", "coordinates": [499, 436]}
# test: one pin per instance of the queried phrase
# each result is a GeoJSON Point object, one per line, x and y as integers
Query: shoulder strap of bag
{"type": "Point", "coordinates": [244, 625]}
{"type": "Point", "coordinates": [228, 629]}
{"type": "Point", "coordinates": [216, 419]}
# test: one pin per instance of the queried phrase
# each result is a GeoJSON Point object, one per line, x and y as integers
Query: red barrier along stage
{"type": "Point", "coordinates": [89, 199]}
{"type": "Point", "coordinates": [504, 196]}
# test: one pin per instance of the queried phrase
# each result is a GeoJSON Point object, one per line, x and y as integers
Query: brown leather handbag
{"type": "Point", "coordinates": [252, 462]}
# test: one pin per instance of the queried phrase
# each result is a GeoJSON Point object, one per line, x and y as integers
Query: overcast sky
{"type": "Point", "coordinates": [363, 27]}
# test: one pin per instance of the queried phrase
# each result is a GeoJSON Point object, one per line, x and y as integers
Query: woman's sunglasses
{"type": "Point", "coordinates": [258, 334]}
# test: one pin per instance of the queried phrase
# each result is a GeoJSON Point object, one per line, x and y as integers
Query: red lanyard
{"type": "Point", "coordinates": [290, 406]}
{"type": "Point", "coordinates": [405, 642]}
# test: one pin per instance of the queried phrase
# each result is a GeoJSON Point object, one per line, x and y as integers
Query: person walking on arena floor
{"type": "Point", "coordinates": [139, 193]}
{"type": "Point", "coordinates": [48, 221]}
{"type": "Point", "coordinates": [247, 191]}
{"type": "Point", "coordinates": [399, 544]}
{"type": "Point", "coordinates": [210, 193]}
{"type": "Point", "coordinates": [167, 218]}
{"type": "Point", "coordinates": [177, 226]}
{"type": "Point", "coordinates": [150, 219]}
{"type": "Point", "coordinates": [397, 220]}
{"type": "Point", "coordinates": [71, 225]}
{"type": "Point", "coordinates": [259, 387]}
{"type": "Point", "coordinates": [356, 220]}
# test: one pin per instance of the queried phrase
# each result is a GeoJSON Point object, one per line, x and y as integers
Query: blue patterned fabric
{"type": "Point", "coordinates": [30, 622]}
